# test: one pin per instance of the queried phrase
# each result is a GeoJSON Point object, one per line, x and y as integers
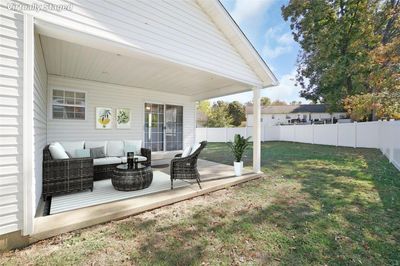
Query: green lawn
{"type": "Point", "coordinates": [316, 205]}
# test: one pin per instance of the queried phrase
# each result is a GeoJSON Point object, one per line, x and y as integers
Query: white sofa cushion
{"type": "Point", "coordinates": [57, 151]}
{"type": "Point", "coordinates": [140, 159]}
{"type": "Point", "coordinates": [186, 151]}
{"type": "Point", "coordinates": [132, 145]}
{"type": "Point", "coordinates": [71, 146]}
{"type": "Point", "coordinates": [81, 153]}
{"type": "Point", "coordinates": [95, 144]}
{"type": "Point", "coordinates": [194, 148]}
{"type": "Point", "coordinates": [106, 160]}
{"type": "Point", "coordinates": [115, 148]}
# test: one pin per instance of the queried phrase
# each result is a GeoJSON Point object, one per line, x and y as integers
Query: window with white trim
{"type": "Point", "coordinates": [68, 104]}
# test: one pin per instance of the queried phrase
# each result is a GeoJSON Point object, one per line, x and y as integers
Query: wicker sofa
{"type": "Point", "coordinates": [61, 176]}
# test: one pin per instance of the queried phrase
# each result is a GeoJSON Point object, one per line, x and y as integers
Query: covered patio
{"type": "Point", "coordinates": [214, 176]}
{"type": "Point", "coordinates": [104, 192]}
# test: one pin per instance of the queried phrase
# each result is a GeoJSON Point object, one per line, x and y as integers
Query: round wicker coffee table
{"type": "Point", "coordinates": [125, 179]}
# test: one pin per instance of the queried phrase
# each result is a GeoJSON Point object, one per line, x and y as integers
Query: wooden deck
{"type": "Point", "coordinates": [214, 177]}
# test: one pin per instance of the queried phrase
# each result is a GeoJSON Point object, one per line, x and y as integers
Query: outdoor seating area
{"type": "Point", "coordinates": [74, 182]}
{"type": "Point", "coordinates": [72, 166]}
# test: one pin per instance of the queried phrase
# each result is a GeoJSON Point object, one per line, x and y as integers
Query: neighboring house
{"type": "Point", "coordinates": [155, 58]}
{"type": "Point", "coordinates": [290, 114]}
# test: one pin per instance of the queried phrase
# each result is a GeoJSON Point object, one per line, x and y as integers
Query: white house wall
{"type": "Point", "coordinates": [114, 96]}
{"type": "Point", "coordinates": [39, 116]}
{"type": "Point", "coordinates": [177, 30]}
{"type": "Point", "coordinates": [11, 87]}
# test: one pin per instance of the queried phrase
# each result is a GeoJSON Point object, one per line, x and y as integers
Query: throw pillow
{"type": "Point", "coordinates": [194, 148]}
{"type": "Point", "coordinates": [57, 151]}
{"type": "Point", "coordinates": [130, 147]}
{"type": "Point", "coordinates": [136, 145]}
{"type": "Point", "coordinates": [186, 151]}
{"type": "Point", "coordinates": [97, 152]}
{"type": "Point", "coordinates": [82, 153]}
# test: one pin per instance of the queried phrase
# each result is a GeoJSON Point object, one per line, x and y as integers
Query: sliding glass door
{"type": "Point", "coordinates": [163, 127]}
{"type": "Point", "coordinates": [154, 126]}
{"type": "Point", "coordinates": [173, 127]}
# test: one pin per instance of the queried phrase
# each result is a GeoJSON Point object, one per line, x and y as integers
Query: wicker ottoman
{"type": "Point", "coordinates": [125, 179]}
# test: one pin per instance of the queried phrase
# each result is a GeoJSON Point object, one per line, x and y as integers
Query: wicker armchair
{"type": "Point", "coordinates": [66, 175]}
{"type": "Point", "coordinates": [186, 168]}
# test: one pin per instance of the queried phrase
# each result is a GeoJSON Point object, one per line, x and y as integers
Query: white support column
{"type": "Point", "coordinates": [28, 187]}
{"type": "Point", "coordinates": [257, 130]}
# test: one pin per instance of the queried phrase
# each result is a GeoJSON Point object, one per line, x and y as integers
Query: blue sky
{"type": "Point", "coordinates": [264, 26]}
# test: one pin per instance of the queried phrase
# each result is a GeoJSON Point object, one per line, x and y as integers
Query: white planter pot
{"type": "Point", "coordinates": [238, 168]}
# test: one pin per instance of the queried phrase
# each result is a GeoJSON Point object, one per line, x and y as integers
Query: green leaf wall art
{"type": "Point", "coordinates": [123, 118]}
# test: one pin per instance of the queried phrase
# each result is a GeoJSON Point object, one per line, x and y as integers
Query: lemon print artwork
{"type": "Point", "coordinates": [103, 118]}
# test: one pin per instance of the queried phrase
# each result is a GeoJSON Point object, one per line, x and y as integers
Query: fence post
{"type": "Point", "coordinates": [226, 134]}
{"type": "Point", "coordinates": [380, 135]}
{"type": "Point", "coordinates": [355, 134]}
{"type": "Point", "coordinates": [313, 125]}
{"type": "Point", "coordinates": [294, 133]}
{"type": "Point", "coordinates": [337, 134]}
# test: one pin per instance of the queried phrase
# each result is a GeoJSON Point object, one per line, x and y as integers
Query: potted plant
{"type": "Point", "coordinates": [238, 147]}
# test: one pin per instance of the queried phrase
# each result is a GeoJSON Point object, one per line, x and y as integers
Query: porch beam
{"type": "Point", "coordinates": [257, 130]}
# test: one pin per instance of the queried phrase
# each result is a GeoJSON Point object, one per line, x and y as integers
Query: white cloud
{"type": "Point", "coordinates": [286, 38]}
{"type": "Point", "coordinates": [277, 42]}
{"type": "Point", "coordinates": [286, 90]}
{"type": "Point", "coordinates": [245, 9]}
{"type": "Point", "coordinates": [276, 51]}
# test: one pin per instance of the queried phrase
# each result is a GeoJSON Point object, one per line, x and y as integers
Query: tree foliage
{"type": "Point", "coordinates": [278, 102]}
{"type": "Point", "coordinates": [350, 52]}
{"type": "Point", "coordinates": [265, 101]}
{"type": "Point", "coordinates": [237, 112]}
{"type": "Point", "coordinates": [219, 115]}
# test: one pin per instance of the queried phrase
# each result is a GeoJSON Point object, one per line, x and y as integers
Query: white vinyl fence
{"type": "Point", "coordinates": [383, 135]}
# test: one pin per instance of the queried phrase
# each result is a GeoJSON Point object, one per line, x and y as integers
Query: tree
{"type": "Point", "coordinates": [383, 99]}
{"type": "Point", "coordinates": [265, 101]}
{"type": "Point", "coordinates": [204, 107]}
{"type": "Point", "coordinates": [219, 116]}
{"type": "Point", "coordinates": [278, 102]}
{"type": "Point", "coordinates": [237, 112]}
{"type": "Point", "coordinates": [295, 103]}
{"type": "Point", "coordinates": [204, 110]}
{"type": "Point", "coordinates": [349, 49]}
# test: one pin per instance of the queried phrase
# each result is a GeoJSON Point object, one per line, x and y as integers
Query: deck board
{"type": "Point", "coordinates": [104, 192]}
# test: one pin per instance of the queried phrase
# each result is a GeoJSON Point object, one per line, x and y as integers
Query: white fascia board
{"type": "Point", "coordinates": [224, 91]}
{"type": "Point", "coordinates": [235, 35]}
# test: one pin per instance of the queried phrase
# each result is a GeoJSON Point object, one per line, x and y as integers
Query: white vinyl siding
{"type": "Point", "coordinates": [178, 30]}
{"type": "Point", "coordinates": [39, 116]}
{"type": "Point", "coordinates": [11, 87]}
{"type": "Point", "coordinates": [114, 96]}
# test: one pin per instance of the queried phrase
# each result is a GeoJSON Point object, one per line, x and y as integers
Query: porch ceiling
{"type": "Point", "coordinates": [76, 61]}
